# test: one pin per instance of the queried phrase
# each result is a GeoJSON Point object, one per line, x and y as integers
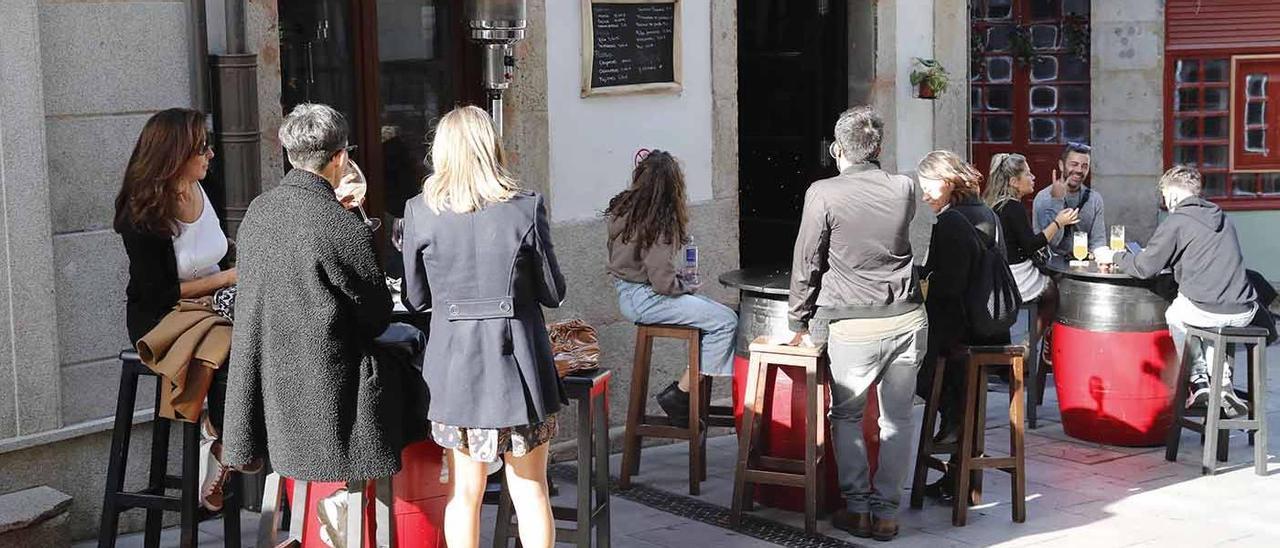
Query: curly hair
{"type": "Point", "coordinates": [653, 208]}
{"type": "Point", "coordinates": [148, 198]}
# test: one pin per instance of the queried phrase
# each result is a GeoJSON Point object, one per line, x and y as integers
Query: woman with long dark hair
{"type": "Point", "coordinates": [175, 244]}
{"type": "Point", "coordinates": [648, 223]}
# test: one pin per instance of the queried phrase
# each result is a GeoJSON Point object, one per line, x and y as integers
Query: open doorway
{"type": "Point", "coordinates": [792, 84]}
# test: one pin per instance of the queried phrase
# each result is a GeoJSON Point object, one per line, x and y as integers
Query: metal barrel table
{"type": "Point", "coordinates": [1114, 364]}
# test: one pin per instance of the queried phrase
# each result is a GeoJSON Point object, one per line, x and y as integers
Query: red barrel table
{"type": "Point", "coordinates": [762, 310]}
{"type": "Point", "coordinates": [1114, 364]}
{"type": "Point", "coordinates": [419, 501]}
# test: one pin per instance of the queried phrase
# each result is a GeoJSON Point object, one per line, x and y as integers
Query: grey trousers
{"type": "Point", "coordinates": [855, 366]}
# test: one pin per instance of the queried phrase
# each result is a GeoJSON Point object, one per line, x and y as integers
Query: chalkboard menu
{"type": "Point", "coordinates": [630, 46]}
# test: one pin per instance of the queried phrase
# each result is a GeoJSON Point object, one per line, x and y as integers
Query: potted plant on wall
{"type": "Point", "coordinates": [929, 77]}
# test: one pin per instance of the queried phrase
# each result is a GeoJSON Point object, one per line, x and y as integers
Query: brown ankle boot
{"type": "Point", "coordinates": [883, 529]}
{"type": "Point", "coordinates": [856, 524]}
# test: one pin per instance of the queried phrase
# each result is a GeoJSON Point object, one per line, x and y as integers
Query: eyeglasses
{"type": "Point", "coordinates": [205, 148]}
{"type": "Point", "coordinates": [1083, 148]}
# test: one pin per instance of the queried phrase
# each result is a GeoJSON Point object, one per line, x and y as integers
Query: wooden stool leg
{"type": "Point", "coordinates": [355, 513]}
{"type": "Point", "coordinates": [385, 516]}
{"type": "Point", "coordinates": [584, 509]}
{"type": "Point", "coordinates": [502, 527]}
{"type": "Point", "coordinates": [1016, 434]}
{"type": "Point", "coordinates": [635, 408]}
{"type": "Point", "coordinates": [924, 450]}
{"type": "Point", "coordinates": [820, 419]}
{"type": "Point", "coordinates": [960, 511]}
{"type": "Point", "coordinates": [231, 505]}
{"type": "Point", "coordinates": [1214, 411]}
{"type": "Point", "coordinates": [601, 444]}
{"type": "Point", "coordinates": [269, 519]}
{"type": "Point", "coordinates": [1179, 403]}
{"type": "Point", "coordinates": [751, 405]}
{"type": "Point", "coordinates": [1032, 363]}
{"type": "Point", "coordinates": [298, 511]}
{"type": "Point", "coordinates": [979, 432]}
{"type": "Point", "coordinates": [695, 419]}
{"type": "Point", "coordinates": [811, 448]}
{"type": "Point", "coordinates": [705, 413]}
{"type": "Point", "coordinates": [117, 461]}
{"type": "Point", "coordinates": [159, 469]}
{"type": "Point", "coordinates": [190, 533]}
{"type": "Point", "coordinates": [1258, 403]}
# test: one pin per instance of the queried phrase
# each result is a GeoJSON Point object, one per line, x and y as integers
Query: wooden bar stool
{"type": "Point", "coordinates": [590, 389]}
{"type": "Point", "coordinates": [153, 497]}
{"type": "Point", "coordinates": [972, 445]}
{"type": "Point", "coordinates": [1037, 372]}
{"type": "Point", "coordinates": [755, 469]}
{"type": "Point", "coordinates": [1214, 429]}
{"type": "Point", "coordinates": [384, 521]}
{"type": "Point", "coordinates": [640, 425]}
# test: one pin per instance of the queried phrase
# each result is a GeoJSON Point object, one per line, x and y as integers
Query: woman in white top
{"type": "Point", "coordinates": [174, 242]}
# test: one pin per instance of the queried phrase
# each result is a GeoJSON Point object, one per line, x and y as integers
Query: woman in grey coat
{"type": "Point", "coordinates": [477, 251]}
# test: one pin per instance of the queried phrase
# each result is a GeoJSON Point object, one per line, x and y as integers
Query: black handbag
{"type": "Point", "coordinates": [993, 298]}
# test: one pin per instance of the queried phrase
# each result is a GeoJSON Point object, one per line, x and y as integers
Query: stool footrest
{"type": "Point", "coordinates": [659, 431]}
{"type": "Point", "coordinates": [1239, 424]}
{"type": "Point", "coordinates": [778, 464]}
{"type": "Point", "coordinates": [148, 501]}
{"type": "Point", "coordinates": [1001, 463]}
{"type": "Point", "coordinates": [767, 477]}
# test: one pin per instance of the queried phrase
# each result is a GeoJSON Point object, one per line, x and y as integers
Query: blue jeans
{"type": "Point", "coordinates": [718, 323]}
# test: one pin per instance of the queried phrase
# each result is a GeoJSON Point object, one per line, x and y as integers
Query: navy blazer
{"type": "Point", "coordinates": [486, 276]}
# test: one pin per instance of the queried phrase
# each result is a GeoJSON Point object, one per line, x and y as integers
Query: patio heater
{"type": "Point", "coordinates": [496, 25]}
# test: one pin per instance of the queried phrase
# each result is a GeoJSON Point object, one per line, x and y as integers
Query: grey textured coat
{"type": "Point", "coordinates": [306, 383]}
{"type": "Point", "coordinates": [486, 276]}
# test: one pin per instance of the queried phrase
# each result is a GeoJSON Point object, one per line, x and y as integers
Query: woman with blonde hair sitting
{"type": "Point", "coordinates": [1011, 180]}
{"type": "Point", "coordinates": [478, 253]}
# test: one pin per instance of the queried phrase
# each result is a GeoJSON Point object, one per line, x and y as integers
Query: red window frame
{"type": "Point", "coordinates": [1252, 184]}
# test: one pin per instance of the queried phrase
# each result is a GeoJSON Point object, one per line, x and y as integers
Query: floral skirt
{"type": "Point", "coordinates": [489, 444]}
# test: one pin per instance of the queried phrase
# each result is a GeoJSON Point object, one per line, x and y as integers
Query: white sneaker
{"type": "Point", "coordinates": [213, 476]}
{"type": "Point", "coordinates": [332, 513]}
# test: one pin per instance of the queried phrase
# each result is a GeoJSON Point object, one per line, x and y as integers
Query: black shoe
{"type": "Point", "coordinates": [675, 402]}
{"type": "Point", "coordinates": [1198, 393]}
{"type": "Point", "coordinates": [948, 432]}
{"type": "Point", "coordinates": [942, 490]}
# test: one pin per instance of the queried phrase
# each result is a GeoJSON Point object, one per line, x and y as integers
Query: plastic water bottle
{"type": "Point", "coordinates": [689, 264]}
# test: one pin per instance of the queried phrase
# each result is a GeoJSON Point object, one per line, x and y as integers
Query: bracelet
{"type": "Point", "coordinates": [1057, 224]}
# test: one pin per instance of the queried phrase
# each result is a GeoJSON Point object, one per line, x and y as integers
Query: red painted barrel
{"type": "Point", "coordinates": [783, 434]}
{"type": "Point", "coordinates": [1114, 387]}
{"type": "Point", "coordinates": [419, 501]}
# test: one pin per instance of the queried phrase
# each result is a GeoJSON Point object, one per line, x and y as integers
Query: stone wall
{"type": "Point", "coordinates": [1127, 63]}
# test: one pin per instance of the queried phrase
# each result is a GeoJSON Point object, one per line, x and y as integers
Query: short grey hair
{"type": "Point", "coordinates": [1184, 179]}
{"type": "Point", "coordinates": [311, 134]}
{"type": "Point", "coordinates": [859, 132]}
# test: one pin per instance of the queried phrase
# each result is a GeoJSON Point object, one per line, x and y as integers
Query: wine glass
{"type": "Point", "coordinates": [1080, 246]}
{"type": "Point", "coordinates": [354, 180]}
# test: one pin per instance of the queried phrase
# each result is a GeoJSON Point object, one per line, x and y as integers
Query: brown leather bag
{"type": "Point", "coordinates": [575, 345]}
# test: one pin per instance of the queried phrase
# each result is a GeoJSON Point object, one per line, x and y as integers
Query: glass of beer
{"type": "Point", "coordinates": [1080, 246]}
{"type": "Point", "coordinates": [1117, 238]}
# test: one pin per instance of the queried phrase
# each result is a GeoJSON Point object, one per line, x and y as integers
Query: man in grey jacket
{"type": "Point", "coordinates": [853, 267]}
{"type": "Point", "coordinates": [1199, 242]}
{"type": "Point", "coordinates": [1067, 191]}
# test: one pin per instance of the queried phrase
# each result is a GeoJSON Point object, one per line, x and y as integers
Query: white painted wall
{"type": "Point", "coordinates": [914, 117]}
{"type": "Point", "coordinates": [594, 139]}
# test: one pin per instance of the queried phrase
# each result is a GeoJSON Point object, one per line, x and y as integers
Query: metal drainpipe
{"type": "Point", "coordinates": [235, 91]}
{"type": "Point", "coordinates": [197, 30]}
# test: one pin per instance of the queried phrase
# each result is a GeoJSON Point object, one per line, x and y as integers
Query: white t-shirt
{"type": "Point", "coordinates": [200, 245]}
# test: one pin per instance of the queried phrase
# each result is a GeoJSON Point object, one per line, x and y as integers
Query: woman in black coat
{"type": "Point", "coordinates": [174, 244]}
{"type": "Point", "coordinates": [477, 251]}
{"type": "Point", "coordinates": [965, 226]}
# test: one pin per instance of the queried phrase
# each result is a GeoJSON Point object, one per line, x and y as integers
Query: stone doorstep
{"type": "Point", "coordinates": [24, 509]}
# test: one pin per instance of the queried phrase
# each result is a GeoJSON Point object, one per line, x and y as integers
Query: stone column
{"type": "Point", "coordinates": [951, 48]}
{"type": "Point", "coordinates": [29, 365]}
{"type": "Point", "coordinates": [1127, 132]}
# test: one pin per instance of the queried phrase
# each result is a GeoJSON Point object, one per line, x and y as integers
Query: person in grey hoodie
{"type": "Point", "coordinates": [1199, 242]}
